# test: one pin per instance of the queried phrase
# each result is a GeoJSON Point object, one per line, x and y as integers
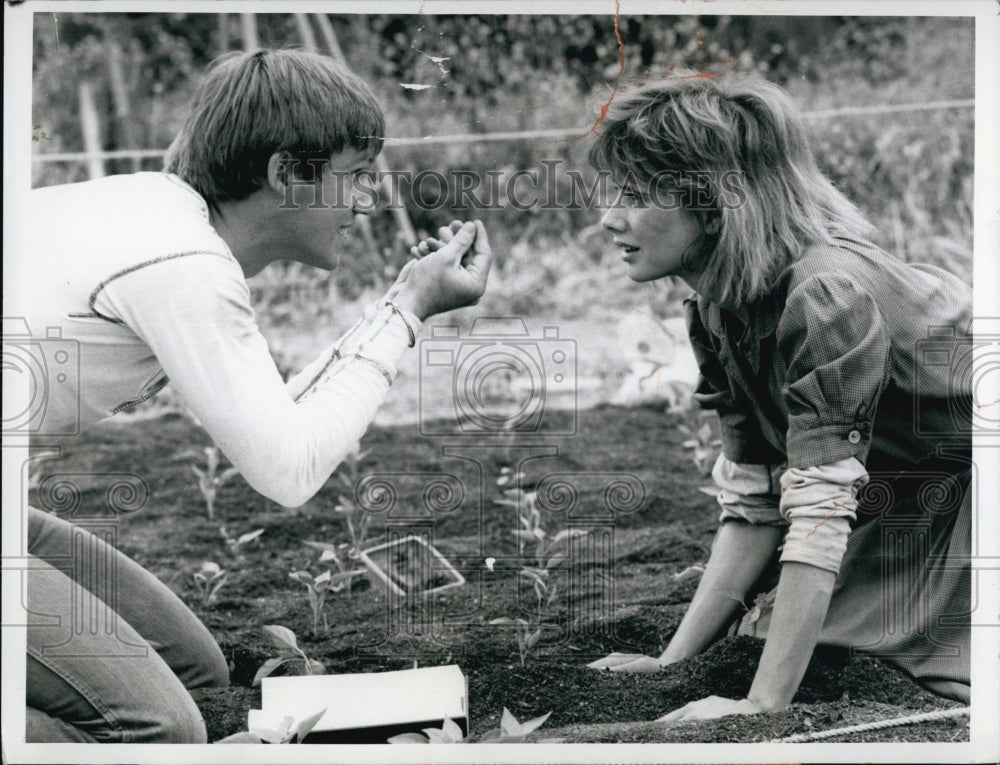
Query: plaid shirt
{"type": "Point", "coordinates": [847, 333]}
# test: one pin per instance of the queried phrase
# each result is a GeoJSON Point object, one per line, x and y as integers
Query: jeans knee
{"type": "Point", "coordinates": [217, 671]}
{"type": "Point", "coordinates": [183, 724]}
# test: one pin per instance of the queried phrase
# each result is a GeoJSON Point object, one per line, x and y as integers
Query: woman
{"type": "Point", "coordinates": [807, 338]}
{"type": "Point", "coordinates": [145, 276]}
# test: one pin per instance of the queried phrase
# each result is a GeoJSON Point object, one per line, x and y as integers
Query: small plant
{"type": "Point", "coordinates": [236, 545]}
{"type": "Point", "coordinates": [510, 732]}
{"type": "Point", "coordinates": [317, 587]}
{"type": "Point", "coordinates": [340, 556]}
{"type": "Point", "coordinates": [450, 732]}
{"type": "Point", "coordinates": [547, 555]}
{"type": "Point", "coordinates": [701, 439]}
{"type": "Point", "coordinates": [288, 651]}
{"type": "Point", "coordinates": [209, 579]}
{"type": "Point", "coordinates": [37, 134]}
{"type": "Point", "coordinates": [285, 734]}
{"type": "Point", "coordinates": [527, 634]}
{"type": "Point", "coordinates": [357, 521]}
{"type": "Point", "coordinates": [210, 480]}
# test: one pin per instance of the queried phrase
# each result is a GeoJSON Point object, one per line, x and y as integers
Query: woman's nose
{"type": "Point", "coordinates": [613, 220]}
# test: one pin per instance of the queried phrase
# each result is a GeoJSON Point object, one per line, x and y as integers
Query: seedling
{"type": "Point", "coordinates": [287, 733]}
{"type": "Point", "coordinates": [209, 579]}
{"type": "Point", "coordinates": [210, 480]}
{"type": "Point", "coordinates": [701, 439]}
{"type": "Point", "coordinates": [288, 651]}
{"type": "Point", "coordinates": [527, 634]}
{"type": "Point", "coordinates": [510, 731]}
{"type": "Point", "coordinates": [547, 549]}
{"type": "Point", "coordinates": [357, 521]}
{"type": "Point", "coordinates": [450, 732]}
{"type": "Point", "coordinates": [339, 555]}
{"type": "Point", "coordinates": [235, 545]}
{"type": "Point", "coordinates": [317, 588]}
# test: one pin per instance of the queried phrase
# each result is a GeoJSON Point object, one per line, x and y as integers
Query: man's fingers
{"type": "Point", "coordinates": [460, 242]}
{"type": "Point", "coordinates": [481, 258]}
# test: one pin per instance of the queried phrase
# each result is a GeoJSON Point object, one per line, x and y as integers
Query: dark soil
{"type": "Point", "coordinates": [620, 597]}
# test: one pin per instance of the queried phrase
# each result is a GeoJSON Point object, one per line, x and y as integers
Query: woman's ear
{"type": "Point", "coordinates": [280, 168]}
{"type": "Point", "coordinates": [713, 222]}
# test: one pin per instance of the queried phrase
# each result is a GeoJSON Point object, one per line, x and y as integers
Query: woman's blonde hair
{"type": "Point", "coordinates": [738, 129]}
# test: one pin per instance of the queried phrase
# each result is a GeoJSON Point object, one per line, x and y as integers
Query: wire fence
{"type": "Point", "coordinates": [555, 134]}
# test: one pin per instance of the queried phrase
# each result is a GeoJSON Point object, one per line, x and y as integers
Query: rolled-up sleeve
{"type": "Point", "coordinates": [819, 504]}
{"type": "Point", "coordinates": [835, 348]}
{"type": "Point", "coordinates": [748, 493]}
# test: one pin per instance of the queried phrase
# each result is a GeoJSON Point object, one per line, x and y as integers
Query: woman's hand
{"type": "Point", "coordinates": [711, 707]}
{"type": "Point", "coordinates": [450, 275]}
{"type": "Point", "coordinates": [627, 663]}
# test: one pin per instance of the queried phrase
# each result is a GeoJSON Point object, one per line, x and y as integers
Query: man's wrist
{"type": "Point", "coordinates": [406, 300]}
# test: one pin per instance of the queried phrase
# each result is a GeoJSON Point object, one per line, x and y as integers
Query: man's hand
{"type": "Point", "coordinates": [432, 244]}
{"type": "Point", "coordinates": [451, 273]}
{"type": "Point", "coordinates": [712, 707]}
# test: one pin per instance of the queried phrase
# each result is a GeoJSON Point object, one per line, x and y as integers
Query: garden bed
{"type": "Point", "coordinates": [635, 488]}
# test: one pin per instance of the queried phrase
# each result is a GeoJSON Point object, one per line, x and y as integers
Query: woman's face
{"type": "Point", "coordinates": [657, 237]}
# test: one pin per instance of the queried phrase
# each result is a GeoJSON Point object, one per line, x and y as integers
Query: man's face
{"type": "Point", "coordinates": [319, 212]}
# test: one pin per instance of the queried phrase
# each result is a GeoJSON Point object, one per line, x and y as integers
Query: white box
{"type": "Point", "coordinates": [368, 707]}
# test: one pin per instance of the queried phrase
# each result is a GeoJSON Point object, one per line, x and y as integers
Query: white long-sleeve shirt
{"type": "Point", "coordinates": [141, 290]}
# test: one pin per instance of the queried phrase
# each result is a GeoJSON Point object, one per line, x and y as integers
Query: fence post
{"type": "Point", "coordinates": [91, 130]}
{"type": "Point", "coordinates": [398, 211]}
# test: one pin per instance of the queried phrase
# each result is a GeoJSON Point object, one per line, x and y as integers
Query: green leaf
{"type": "Point", "coordinates": [315, 667]}
{"type": "Point", "coordinates": [302, 576]}
{"type": "Point", "coordinates": [534, 724]}
{"type": "Point", "coordinates": [320, 545]}
{"type": "Point", "coordinates": [437, 736]}
{"type": "Point", "coordinates": [269, 736]}
{"type": "Point", "coordinates": [266, 669]}
{"type": "Point", "coordinates": [453, 730]}
{"type": "Point", "coordinates": [282, 637]}
{"type": "Point", "coordinates": [556, 560]}
{"type": "Point", "coordinates": [303, 728]}
{"type": "Point", "coordinates": [408, 738]}
{"type": "Point", "coordinates": [509, 726]}
{"type": "Point", "coordinates": [248, 537]}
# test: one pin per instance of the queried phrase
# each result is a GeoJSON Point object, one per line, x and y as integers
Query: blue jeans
{"type": "Point", "coordinates": [111, 650]}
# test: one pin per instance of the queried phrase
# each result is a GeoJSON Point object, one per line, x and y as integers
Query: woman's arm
{"type": "Point", "coordinates": [800, 608]}
{"type": "Point", "coordinates": [739, 556]}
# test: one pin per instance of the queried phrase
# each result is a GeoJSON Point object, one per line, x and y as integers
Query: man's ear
{"type": "Point", "coordinates": [280, 168]}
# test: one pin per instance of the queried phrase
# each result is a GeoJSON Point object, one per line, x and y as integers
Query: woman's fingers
{"type": "Point", "coordinates": [626, 662]}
